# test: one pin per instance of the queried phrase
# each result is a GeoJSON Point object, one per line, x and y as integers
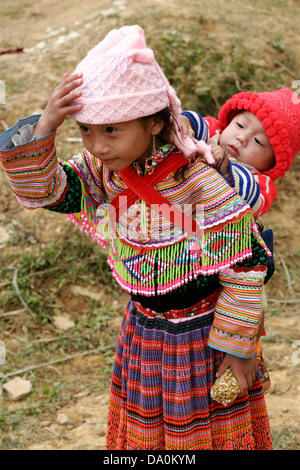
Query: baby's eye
{"type": "Point", "coordinates": [258, 142]}
{"type": "Point", "coordinates": [239, 125]}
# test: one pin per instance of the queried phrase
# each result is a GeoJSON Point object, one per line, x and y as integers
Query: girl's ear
{"type": "Point", "coordinates": [157, 124]}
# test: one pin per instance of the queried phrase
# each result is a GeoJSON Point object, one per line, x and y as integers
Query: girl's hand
{"type": "Point", "coordinates": [186, 127]}
{"type": "Point", "coordinates": [244, 370]}
{"type": "Point", "coordinates": [58, 106]}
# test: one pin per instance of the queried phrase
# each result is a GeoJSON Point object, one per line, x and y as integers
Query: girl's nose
{"type": "Point", "coordinates": [100, 146]}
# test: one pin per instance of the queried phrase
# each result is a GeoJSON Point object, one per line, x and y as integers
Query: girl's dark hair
{"type": "Point", "coordinates": [168, 119]}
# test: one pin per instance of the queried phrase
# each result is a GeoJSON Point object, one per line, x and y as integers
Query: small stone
{"type": "Point", "coordinates": [258, 62]}
{"type": "Point", "coordinates": [44, 424]}
{"type": "Point", "coordinates": [63, 323]}
{"type": "Point", "coordinates": [62, 419]}
{"type": "Point", "coordinates": [4, 236]}
{"type": "Point", "coordinates": [18, 388]}
{"type": "Point", "coordinates": [78, 290]}
{"type": "Point", "coordinates": [82, 394]}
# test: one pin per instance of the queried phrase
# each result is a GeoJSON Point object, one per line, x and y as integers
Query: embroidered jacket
{"type": "Point", "coordinates": [254, 187]}
{"type": "Point", "coordinates": [156, 261]}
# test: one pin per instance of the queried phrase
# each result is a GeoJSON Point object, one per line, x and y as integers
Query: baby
{"type": "Point", "coordinates": [246, 146]}
{"type": "Point", "coordinates": [247, 142]}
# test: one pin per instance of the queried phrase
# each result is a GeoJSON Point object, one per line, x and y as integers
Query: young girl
{"type": "Point", "coordinates": [255, 138]}
{"type": "Point", "coordinates": [194, 276]}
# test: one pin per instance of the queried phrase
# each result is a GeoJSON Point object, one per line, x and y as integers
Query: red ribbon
{"type": "Point", "coordinates": [142, 187]}
{"type": "Point", "coordinates": [11, 51]}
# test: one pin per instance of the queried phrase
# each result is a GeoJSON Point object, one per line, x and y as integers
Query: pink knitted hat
{"type": "Point", "coordinates": [122, 82]}
{"type": "Point", "coordinates": [279, 113]}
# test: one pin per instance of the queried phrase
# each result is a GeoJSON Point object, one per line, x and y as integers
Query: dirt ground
{"type": "Point", "coordinates": [56, 35]}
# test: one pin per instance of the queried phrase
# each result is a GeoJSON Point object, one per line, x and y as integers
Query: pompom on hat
{"type": "Point", "coordinates": [123, 82]}
{"type": "Point", "coordinates": [279, 113]}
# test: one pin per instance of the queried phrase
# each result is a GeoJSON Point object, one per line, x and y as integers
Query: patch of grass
{"type": "Point", "coordinates": [13, 422]}
{"type": "Point", "coordinates": [213, 72]}
{"type": "Point", "coordinates": [285, 438]}
{"type": "Point", "coordinates": [42, 274]}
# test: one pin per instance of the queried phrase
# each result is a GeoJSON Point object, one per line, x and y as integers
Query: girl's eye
{"type": "Point", "coordinates": [110, 130]}
{"type": "Point", "coordinates": [84, 129]}
{"type": "Point", "coordinates": [258, 142]}
{"type": "Point", "coordinates": [239, 125]}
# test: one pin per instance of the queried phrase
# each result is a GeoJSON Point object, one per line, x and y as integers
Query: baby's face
{"type": "Point", "coordinates": [245, 139]}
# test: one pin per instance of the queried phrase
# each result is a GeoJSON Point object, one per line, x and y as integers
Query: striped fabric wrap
{"type": "Point", "coordinates": [148, 254]}
{"type": "Point", "coordinates": [160, 391]}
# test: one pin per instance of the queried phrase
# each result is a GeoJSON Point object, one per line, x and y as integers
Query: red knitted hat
{"type": "Point", "coordinates": [279, 113]}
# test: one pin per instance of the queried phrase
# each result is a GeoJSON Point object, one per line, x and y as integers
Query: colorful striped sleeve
{"type": "Point", "coordinates": [238, 311]}
{"type": "Point", "coordinates": [39, 179]}
{"type": "Point", "coordinates": [258, 190]}
{"type": "Point", "coordinates": [32, 168]}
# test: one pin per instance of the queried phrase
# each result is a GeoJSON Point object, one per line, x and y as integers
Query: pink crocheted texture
{"type": "Point", "coordinates": [122, 80]}
{"type": "Point", "coordinates": [123, 93]}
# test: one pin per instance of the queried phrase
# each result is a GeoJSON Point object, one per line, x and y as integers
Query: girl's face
{"type": "Point", "coordinates": [119, 145]}
{"type": "Point", "coordinates": [245, 139]}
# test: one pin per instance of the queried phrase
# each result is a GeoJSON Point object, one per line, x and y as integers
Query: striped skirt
{"type": "Point", "coordinates": [160, 400]}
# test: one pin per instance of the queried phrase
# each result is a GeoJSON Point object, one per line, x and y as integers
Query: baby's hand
{"type": "Point", "coordinates": [221, 158]}
{"type": "Point", "coordinates": [218, 153]}
{"type": "Point", "coordinates": [58, 106]}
